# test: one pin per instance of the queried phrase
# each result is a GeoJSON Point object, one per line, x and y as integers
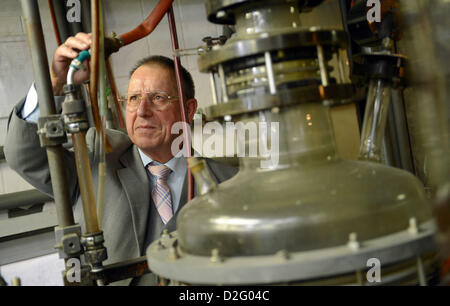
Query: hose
{"type": "Point", "coordinates": [149, 24]}
{"type": "Point", "coordinates": [77, 64]}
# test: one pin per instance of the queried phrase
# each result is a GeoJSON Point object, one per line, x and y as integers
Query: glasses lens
{"type": "Point", "coordinates": [133, 100]}
{"type": "Point", "coordinates": [158, 99]}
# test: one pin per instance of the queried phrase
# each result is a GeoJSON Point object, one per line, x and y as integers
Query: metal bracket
{"type": "Point", "coordinates": [68, 241]}
{"type": "Point", "coordinates": [51, 131]}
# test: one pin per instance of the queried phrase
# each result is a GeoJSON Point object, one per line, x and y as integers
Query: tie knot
{"type": "Point", "coordinates": [160, 171]}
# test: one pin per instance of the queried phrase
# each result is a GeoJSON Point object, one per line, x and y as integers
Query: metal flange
{"type": "Point", "coordinates": [285, 267]}
{"type": "Point", "coordinates": [332, 94]}
{"type": "Point", "coordinates": [266, 43]}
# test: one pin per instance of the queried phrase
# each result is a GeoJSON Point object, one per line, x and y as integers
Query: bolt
{"type": "Point", "coordinates": [283, 254]}
{"type": "Point", "coordinates": [166, 234]}
{"type": "Point", "coordinates": [413, 229]}
{"type": "Point", "coordinates": [353, 243]}
{"type": "Point", "coordinates": [215, 256]}
{"type": "Point", "coordinates": [173, 254]}
{"type": "Point", "coordinates": [16, 281]}
{"type": "Point", "coordinates": [160, 245]}
{"type": "Point", "coordinates": [220, 14]}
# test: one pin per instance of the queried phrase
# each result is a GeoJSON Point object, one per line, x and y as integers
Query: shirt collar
{"type": "Point", "coordinates": [177, 164]}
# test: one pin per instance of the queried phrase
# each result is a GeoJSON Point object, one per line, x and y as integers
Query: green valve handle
{"type": "Point", "coordinates": [84, 55]}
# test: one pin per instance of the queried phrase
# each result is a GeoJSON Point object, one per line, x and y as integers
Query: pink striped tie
{"type": "Point", "coordinates": [161, 192]}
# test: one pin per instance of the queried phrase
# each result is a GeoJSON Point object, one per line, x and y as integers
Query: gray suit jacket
{"type": "Point", "coordinates": [128, 207]}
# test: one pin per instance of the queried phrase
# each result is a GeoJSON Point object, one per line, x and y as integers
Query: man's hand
{"type": "Point", "coordinates": [64, 54]}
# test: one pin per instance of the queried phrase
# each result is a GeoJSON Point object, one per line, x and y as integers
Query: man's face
{"type": "Point", "coordinates": [148, 127]}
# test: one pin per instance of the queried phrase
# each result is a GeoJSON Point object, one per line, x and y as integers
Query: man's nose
{"type": "Point", "coordinates": [144, 108]}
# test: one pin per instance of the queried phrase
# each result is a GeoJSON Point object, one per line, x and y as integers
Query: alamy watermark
{"type": "Point", "coordinates": [241, 139]}
{"type": "Point", "coordinates": [374, 13]}
{"type": "Point", "coordinates": [373, 275]}
{"type": "Point", "coordinates": [74, 11]}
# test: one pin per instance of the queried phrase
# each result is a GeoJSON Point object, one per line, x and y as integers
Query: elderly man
{"type": "Point", "coordinates": [146, 184]}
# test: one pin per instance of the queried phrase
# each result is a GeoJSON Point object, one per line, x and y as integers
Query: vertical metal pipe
{"type": "Point", "coordinates": [322, 65]}
{"type": "Point", "coordinates": [95, 46]}
{"type": "Point", "coordinates": [186, 133]}
{"type": "Point", "coordinates": [85, 182]}
{"type": "Point", "coordinates": [223, 83]}
{"type": "Point", "coordinates": [213, 87]}
{"type": "Point", "coordinates": [30, 11]}
{"type": "Point", "coordinates": [421, 272]}
{"type": "Point", "coordinates": [270, 75]}
{"type": "Point", "coordinates": [341, 70]}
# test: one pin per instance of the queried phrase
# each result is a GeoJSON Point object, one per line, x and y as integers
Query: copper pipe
{"type": "Point", "coordinates": [85, 182]}
{"type": "Point", "coordinates": [114, 93]}
{"type": "Point", "coordinates": [186, 134]}
{"type": "Point", "coordinates": [95, 63]}
{"type": "Point", "coordinates": [55, 25]}
{"type": "Point", "coordinates": [149, 24]}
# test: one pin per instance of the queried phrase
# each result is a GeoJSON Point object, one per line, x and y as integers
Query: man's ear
{"type": "Point", "coordinates": [191, 106]}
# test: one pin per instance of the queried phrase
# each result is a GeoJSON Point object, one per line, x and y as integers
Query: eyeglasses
{"type": "Point", "coordinates": [159, 99]}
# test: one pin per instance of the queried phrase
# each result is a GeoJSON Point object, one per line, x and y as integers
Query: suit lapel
{"type": "Point", "coordinates": [134, 180]}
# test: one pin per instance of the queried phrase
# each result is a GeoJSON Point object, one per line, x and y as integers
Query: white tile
{"type": "Point", "coordinates": [124, 60]}
{"type": "Point", "coordinates": [10, 8]}
{"type": "Point", "coordinates": [121, 16]}
{"type": "Point", "coordinates": [10, 25]}
{"type": "Point", "coordinates": [122, 85]}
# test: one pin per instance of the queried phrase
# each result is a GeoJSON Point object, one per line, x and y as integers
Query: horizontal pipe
{"type": "Point", "coordinates": [149, 24]}
{"type": "Point", "coordinates": [22, 198]}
